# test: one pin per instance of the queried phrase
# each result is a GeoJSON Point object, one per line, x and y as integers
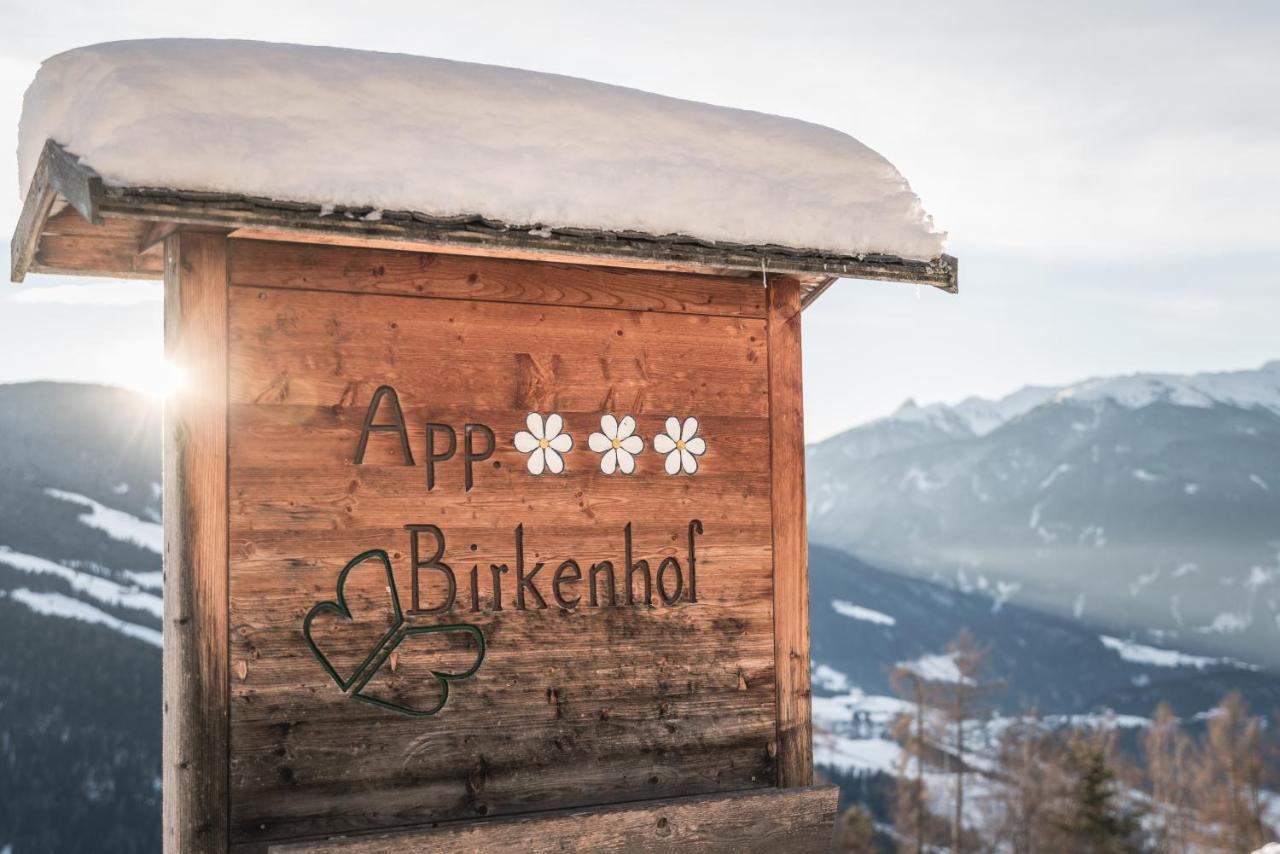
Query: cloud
{"type": "Point", "coordinates": [95, 293]}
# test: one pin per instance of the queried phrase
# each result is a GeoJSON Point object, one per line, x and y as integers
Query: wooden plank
{"type": "Point", "coordinates": [153, 234]}
{"type": "Point", "coordinates": [570, 359]}
{"type": "Point", "coordinates": [571, 707]}
{"type": "Point", "coordinates": [142, 272]}
{"type": "Point", "coordinates": [480, 250]}
{"type": "Point", "coordinates": [295, 222]}
{"type": "Point", "coordinates": [810, 293]}
{"type": "Point", "coordinates": [770, 822]}
{"type": "Point", "coordinates": [72, 246]}
{"type": "Point", "coordinates": [196, 724]}
{"type": "Point", "coordinates": [36, 208]}
{"type": "Point", "coordinates": [790, 541]}
{"type": "Point", "coordinates": [67, 222]}
{"type": "Point", "coordinates": [57, 175]}
{"type": "Point", "coordinates": [300, 265]}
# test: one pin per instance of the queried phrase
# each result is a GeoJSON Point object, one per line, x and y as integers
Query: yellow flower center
{"type": "Point", "coordinates": [543, 443]}
{"type": "Point", "coordinates": [617, 443]}
{"type": "Point", "coordinates": [680, 444]}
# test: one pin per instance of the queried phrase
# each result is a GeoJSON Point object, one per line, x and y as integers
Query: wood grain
{"type": "Point", "coordinates": [300, 222]}
{"type": "Point", "coordinates": [770, 822]}
{"type": "Point", "coordinates": [36, 207]}
{"type": "Point", "coordinates": [571, 707]}
{"type": "Point", "coordinates": [790, 541]}
{"type": "Point", "coordinates": [196, 725]}
{"type": "Point", "coordinates": [655, 264]}
{"type": "Point", "coordinates": [70, 245]}
{"type": "Point", "coordinates": [337, 268]}
{"type": "Point", "coordinates": [57, 175]}
{"type": "Point", "coordinates": [320, 349]}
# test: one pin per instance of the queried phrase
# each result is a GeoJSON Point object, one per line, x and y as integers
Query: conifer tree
{"type": "Point", "coordinates": [1095, 817]}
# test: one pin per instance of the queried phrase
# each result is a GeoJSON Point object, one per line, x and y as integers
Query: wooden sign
{"type": "Point", "coordinates": [465, 538]}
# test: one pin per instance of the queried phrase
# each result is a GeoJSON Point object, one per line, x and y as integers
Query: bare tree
{"type": "Point", "coordinates": [1169, 754]}
{"type": "Point", "coordinates": [910, 812]}
{"type": "Point", "coordinates": [1028, 780]}
{"type": "Point", "coordinates": [962, 702]}
{"type": "Point", "coordinates": [1229, 782]}
{"type": "Point", "coordinates": [950, 700]}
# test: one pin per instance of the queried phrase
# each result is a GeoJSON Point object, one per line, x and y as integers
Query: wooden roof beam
{"type": "Point", "coordinates": [157, 211]}
{"type": "Point", "coordinates": [58, 175]}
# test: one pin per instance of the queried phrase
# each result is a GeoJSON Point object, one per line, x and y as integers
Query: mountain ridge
{"type": "Point", "coordinates": [980, 415]}
{"type": "Point", "coordinates": [1144, 504]}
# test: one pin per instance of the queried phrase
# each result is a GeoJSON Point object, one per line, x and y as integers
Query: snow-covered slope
{"type": "Point", "coordinates": [80, 619]}
{"type": "Point", "coordinates": [865, 620]}
{"type": "Point", "coordinates": [333, 126]}
{"type": "Point", "coordinates": [1146, 505]}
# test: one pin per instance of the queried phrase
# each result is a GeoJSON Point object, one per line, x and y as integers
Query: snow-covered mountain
{"type": "Point", "coordinates": [80, 618]}
{"type": "Point", "coordinates": [979, 416]}
{"type": "Point", "coordinates": [975, 415]}
{"type": "Point", "coordinates": [1148, 504]}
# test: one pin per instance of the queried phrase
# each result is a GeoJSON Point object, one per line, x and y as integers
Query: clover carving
{"type": "Point", "coordinates": [339, 629]}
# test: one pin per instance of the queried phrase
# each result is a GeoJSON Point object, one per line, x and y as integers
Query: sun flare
{"type": "Point", "coordinates": [142, 369]}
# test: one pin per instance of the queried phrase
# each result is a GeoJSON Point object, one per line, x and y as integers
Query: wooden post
{"type": "Point", "coordinates": [790, 542]}
{"type": "Point", "coordinates": [195, 516]}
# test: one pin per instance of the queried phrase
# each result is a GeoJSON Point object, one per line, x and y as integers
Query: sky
{"type": "Point", "coordinates": [1109, 174]}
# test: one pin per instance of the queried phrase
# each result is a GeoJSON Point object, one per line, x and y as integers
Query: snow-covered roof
{"type": "Point", "coordinates": [348, 129]}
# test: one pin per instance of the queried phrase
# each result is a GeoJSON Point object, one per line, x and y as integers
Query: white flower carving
{"type": "Point", "coordinates": [682, 445]}
{"type": "Point", "coordinates": [616, 444]}
{"type": "Point", "coordinates": [544, 442]}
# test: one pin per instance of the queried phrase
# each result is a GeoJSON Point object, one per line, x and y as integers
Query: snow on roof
{"type": "Point", "coordinates": [340, 127]}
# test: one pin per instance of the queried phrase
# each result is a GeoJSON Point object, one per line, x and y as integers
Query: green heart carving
{"type": "Point", "coordinates": [341, 609]}
{"type": "Point", "coordinates": [443, 678]}
{"type": "Point", "coordinates": [387, 644]}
